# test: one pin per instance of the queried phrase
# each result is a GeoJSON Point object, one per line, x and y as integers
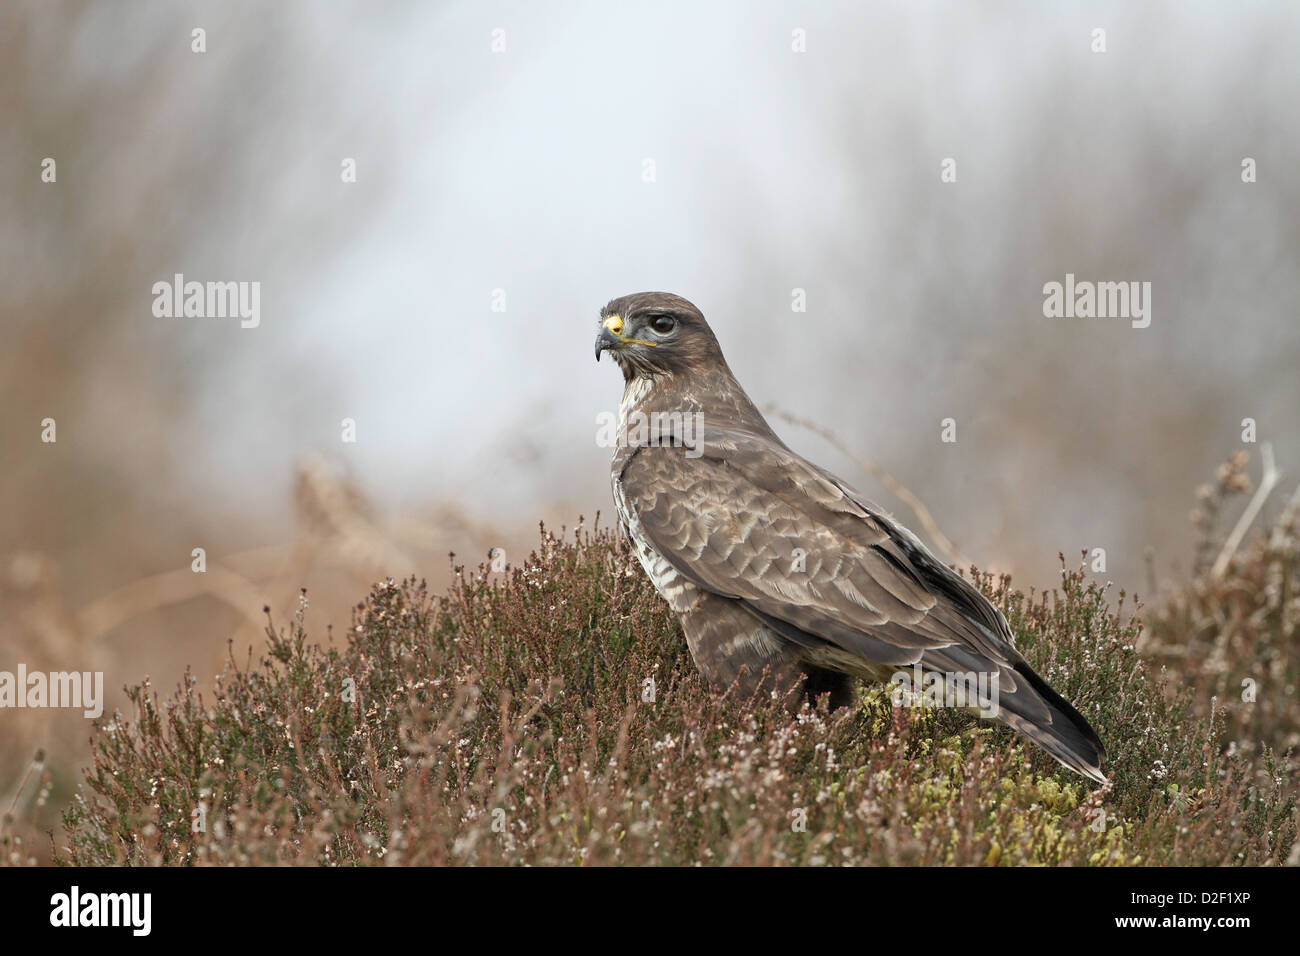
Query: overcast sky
{"type": "Point", "coordinates": [523, 169]}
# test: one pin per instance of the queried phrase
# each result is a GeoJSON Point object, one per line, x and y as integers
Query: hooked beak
{"type": "Point", "coordinates": [611, 335]}
{"type": "Point", "coordinates": [607, 340]}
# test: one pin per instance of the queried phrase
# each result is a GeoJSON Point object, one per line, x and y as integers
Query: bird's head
{"type": "Point", "coordinates": [656, 333]}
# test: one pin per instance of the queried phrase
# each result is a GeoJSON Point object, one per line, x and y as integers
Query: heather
{"type": "Point", "coordinates": [550, 715]}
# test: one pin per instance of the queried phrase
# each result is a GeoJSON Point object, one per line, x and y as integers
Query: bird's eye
{"type": "Point", "coordinates": [663, 324]}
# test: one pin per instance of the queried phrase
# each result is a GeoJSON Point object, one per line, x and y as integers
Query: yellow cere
{"type": "Point", "coordinates": [615, 324]}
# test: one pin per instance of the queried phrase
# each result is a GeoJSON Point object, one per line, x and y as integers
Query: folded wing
{"type": "Point", "coordinates": [752, 521]}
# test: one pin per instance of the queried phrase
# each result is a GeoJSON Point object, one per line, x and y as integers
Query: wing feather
{"type": "Point", "coordinates": [752, 521]}
{"type": "Point", "coordinates": [826, 569]}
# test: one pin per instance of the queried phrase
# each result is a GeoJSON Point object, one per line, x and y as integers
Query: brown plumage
{"type": "Point", "coordinates": [777, 567]}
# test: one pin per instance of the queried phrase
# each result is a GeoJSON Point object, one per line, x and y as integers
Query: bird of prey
{"type": "Point", "coordinates": [778, 570]}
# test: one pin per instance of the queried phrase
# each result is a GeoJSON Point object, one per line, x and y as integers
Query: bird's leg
{"type": "Point", "coordinates": [819, 681]}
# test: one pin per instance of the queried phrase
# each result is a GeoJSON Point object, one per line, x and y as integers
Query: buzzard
{"type": "Point", "coordinates": [778, 570]}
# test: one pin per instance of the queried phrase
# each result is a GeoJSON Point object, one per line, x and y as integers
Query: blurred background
{"type": "Point", "coordinates": [519, 164]}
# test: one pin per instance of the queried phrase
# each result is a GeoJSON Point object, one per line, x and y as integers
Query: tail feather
{"type": "Point", "coordinates": [1066, 735]}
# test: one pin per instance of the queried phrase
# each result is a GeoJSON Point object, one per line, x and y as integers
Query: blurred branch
{"type": "Point", "coordinates": [170, 587]}
{"type": "Point", "coordinates": [337, 527]}
{"type": "Point", "coordinates": [899, 490]}
{"type": "Point", "coordinates": [1267, 482]}
{"type": "Point", "coordinates": [1289, 515]}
